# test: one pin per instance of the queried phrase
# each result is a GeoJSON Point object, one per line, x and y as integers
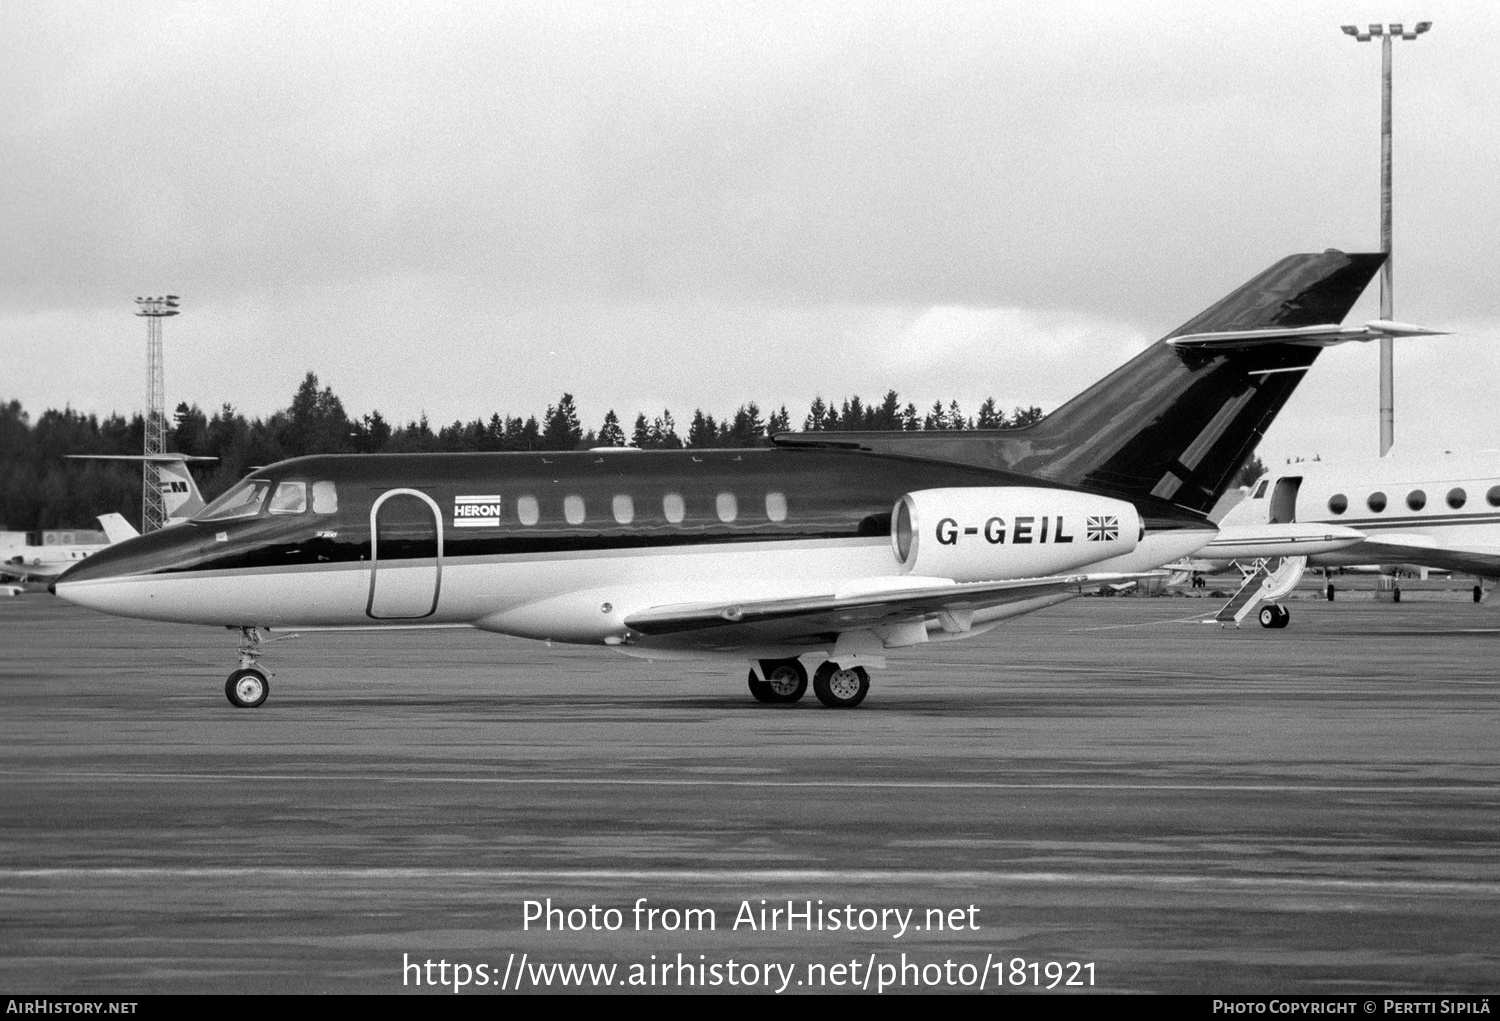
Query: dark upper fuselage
{"type": "Point", "coordinates": [512, 503]}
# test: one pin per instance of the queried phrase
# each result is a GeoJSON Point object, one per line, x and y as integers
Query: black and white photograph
{"type": "Point", "coordinates": [681, 497]}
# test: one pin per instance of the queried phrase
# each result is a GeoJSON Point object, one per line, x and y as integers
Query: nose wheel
{"type": "Point", "coordinates": [247, 688]}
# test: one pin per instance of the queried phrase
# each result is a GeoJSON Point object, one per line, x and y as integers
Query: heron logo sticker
{"type": "Point", "coordinates": [476, 511]}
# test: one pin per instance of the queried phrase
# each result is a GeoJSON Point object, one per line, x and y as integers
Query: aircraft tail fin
{"type": "Point", "coordinates": [179, 491]}
{"type": "Point", "coordinates": [1178, 420]}
{"type": "Point", "coordinates": [116, 528]}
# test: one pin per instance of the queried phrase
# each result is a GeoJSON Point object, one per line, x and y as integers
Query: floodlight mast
{"type": "Point", "coordinates": [153, 505]}
{"type": "Point", "coordinates": [1386, 33]}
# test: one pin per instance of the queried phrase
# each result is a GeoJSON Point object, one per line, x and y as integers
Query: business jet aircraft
{"type": "Point", "coordinates": [832, 548]}
{"type": "Point", "coordinates": [1407, 512]}
{"type": "Point", "coordinates": [42, 556]}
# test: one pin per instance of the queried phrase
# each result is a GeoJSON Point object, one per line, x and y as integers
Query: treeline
{"type": "Point", "coordinates": [41, 488]}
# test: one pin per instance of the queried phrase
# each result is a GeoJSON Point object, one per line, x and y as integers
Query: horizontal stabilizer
{"type": "Point", "coordinates": [140, 458]}
{"type": "Point", "coordinates": [1325, 335]}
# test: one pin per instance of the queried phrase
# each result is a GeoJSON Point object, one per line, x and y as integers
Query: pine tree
{"type": "Point", "coordinates": [990, 416]}
{"type": "Point", "coordinates": [562, 431]}
{"type": "Point", "coordinates": [779, 422]}
{"type": "Point", "coordinates": [814, 421]}
{"type": "Point", "coordinates": [703, 430]}
{"type": "Point", "coordinates": [610, 434]}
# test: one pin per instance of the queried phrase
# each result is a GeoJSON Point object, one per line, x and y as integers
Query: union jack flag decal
{"type": "Point", "coordinates": [1103, 528]}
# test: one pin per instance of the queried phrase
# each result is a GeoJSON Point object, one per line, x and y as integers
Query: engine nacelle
{"type": "Point", "coordinates": [997, 532]}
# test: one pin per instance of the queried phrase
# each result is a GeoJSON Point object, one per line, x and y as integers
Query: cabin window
{"type": "Point", "coordinates": [526, 510]}
{"type": "Point", "coordinates": [290, 498]}
{"type": "Point", "coordinates": [727, 507]}
{"type": "Point", "coordinates": [673, 507]}
{"type": "Point", "coordinates": [1457, 498]}
{"type": "Point", "coordinates": [776, 506]}
{"type": "Point", "coordinates": [624, 508]}
{"type": "Point", "coordinates": [243, 501]}
{"type": "Point", "coordinates": [573, 509]}
{"type": "Point", "coordinates": [1493, 496]}
{"type": "Point", "coordinates": [1416, 499]}
{"type": "Point", "coordinates": [325, 498]}
{"type": "Point", "coordinates": [1376, 502]}
{"type": "Point", "coordinates": [1338, 503]}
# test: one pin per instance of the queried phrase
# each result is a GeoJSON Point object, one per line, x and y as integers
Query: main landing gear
{"type": "Point", "coordinates": [840, 688]}
{"type": "Point", "coordinates": [1275, 616]}
{"type": "Point", "coordinates": [786, 681]}
{"type": "Point", "coordinates": [248, 686]}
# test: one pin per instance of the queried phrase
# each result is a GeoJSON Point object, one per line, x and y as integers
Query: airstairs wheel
{"type": "Point", "coordinates": [247, 688]}
{"type": "Point", "coordinates": [841, 689]}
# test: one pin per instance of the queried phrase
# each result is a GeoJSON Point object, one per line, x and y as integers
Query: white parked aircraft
{"type": "Point", "coordinates": [1410, 513]}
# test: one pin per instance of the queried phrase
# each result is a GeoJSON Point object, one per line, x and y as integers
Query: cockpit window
{"type": "Point", "coordinates": [290, 498]}
{"type": "Point", "coordinates": [1260, 490]}
{"type": "Point", "coordinates": [243, 501]}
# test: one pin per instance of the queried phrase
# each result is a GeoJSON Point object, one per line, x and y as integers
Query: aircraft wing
{"type": "Point", "coordinates": [1391, 549]}
{"type": "Point", "coordinates": [820, 618]}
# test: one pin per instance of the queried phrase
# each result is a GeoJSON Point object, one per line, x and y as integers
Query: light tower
{"type": "Point", "coordinates": [153, 508]}
{"type": "Point", "coordinates": [1386, 34]}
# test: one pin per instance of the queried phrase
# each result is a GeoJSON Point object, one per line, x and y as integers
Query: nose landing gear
{"type": "Point", "coordinates": [249, 686]}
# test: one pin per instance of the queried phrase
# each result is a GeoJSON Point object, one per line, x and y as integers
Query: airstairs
{"type": "Point", "coordinates": [1265, 581]}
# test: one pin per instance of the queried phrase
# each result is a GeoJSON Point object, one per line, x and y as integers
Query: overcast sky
{"type": "Point", "coordinates": [468, 208]}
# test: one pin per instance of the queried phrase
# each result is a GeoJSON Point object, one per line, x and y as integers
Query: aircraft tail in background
{"type": "Point", "coordinates": [116, 528]}
{"type": "Point", "coordinates": [179, 491]}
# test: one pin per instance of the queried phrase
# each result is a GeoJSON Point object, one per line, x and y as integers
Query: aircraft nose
{"type": "Point", "coordinates": [115, 580]}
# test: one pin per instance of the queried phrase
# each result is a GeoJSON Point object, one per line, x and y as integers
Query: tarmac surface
{"type": "Point", "coordinates": [1144, 804]}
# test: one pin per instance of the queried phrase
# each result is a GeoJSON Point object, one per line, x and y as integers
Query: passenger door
{"type": "Point", "coordinates": [406, 556]}
{"type": "Point", "coordinates": [1284, 500]}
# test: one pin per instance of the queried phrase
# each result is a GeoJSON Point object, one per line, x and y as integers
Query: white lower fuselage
{"type": "Point", "coordinates": [567, 597]}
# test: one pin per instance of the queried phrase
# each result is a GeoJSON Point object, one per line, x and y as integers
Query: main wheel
{"type": "Point", "coordinates": [1268, 616]}
{"type": "Point", "coordinates": [1283, 617]}
{"type": "Point", "coordinates": [247, 688]}
{"type": "Point", "coordinates": [785, 681]}
{"type": "Point", "coordinates": [1478, 593]}
{"type": "Point", "coordinates": [841, 688]}
{"type": "Point", "coordinates": [1396, 593]}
